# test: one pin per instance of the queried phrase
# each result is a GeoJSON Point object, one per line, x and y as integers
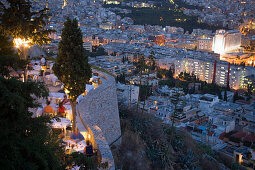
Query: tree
{"type": "Point", "coordinates": [25, 26]}
{"type": "Point", "coordinates": [8, 58]}
{"type": "Point", "coordinates": [152, 61]}
{"type": "Point", "coordinates": [100, 51]}
{"type": "Point", "coordinates": [175, 100]}
{"type": "Point", "coordinates": [235, 97]}
{"type": "Point", "coordinates": [170, 73]}
{"type": "Point", "coordinates": [181, 75]}
{"type": "Point", "coordinates": [140, 68]}
{"type": "Point", "coordinates": [141, 65]}
{"type": "Point", "coordinates": [219, 94]}
{"type": "Point", "coordinates": [17, 20]}
{"type": "Point", "coordinates": [82, 161]}
{"type": "Point", "coordinates": [71, 65]}
{"type": "Point", "coordinates": [225, 96]}
{"type": "Point", "coordinates": [26, 142]}
{"type": "Point", "coordinates": [249, 91]}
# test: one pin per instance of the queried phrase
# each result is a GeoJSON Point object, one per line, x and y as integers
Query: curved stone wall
{"type": "Point", "coordinates": [99, 115]}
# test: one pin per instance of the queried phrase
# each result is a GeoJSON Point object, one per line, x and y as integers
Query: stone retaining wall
{"type": "Point", "coordinates": [99, 115]}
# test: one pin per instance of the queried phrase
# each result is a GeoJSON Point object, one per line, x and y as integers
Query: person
{"type": "Point", "coordinates": [43, 61]}
{"type": "Point", "coordinates": [61, 109]}
{"type": "Point", "coordinates": [48, 108]}
{"type": "Point", "coordinates": [65, 100]}
{"type": "Point", "coordinates": [88, 149]}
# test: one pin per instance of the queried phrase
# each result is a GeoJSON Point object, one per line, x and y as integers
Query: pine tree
{"type": "Point", "coordinates": [71, 65]}
{"type": "Point", "coordinates": [219, 94]}
{"type": "Point", "coordinates": [8, 58]}
{"type": "Point", "coordinates": [152, 61]}
{"type": "Point", "coordinates": [17, 20]}
{"type": "Point", "coordinates": [235, 97]}
{"type": "Point", "coordinates": [26, 142]}
{"type": "Point", "coordinates": [225, 96]}
{"type": "Point", "coordinates": [170, 74]}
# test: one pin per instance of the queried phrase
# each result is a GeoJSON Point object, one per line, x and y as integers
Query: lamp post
{"type": "Point", "coordinates": [22, 45]}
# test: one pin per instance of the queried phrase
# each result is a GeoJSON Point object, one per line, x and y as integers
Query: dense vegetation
{"type": "Point", "coordinates": [165, 14]}
{"type": "Point", "coordinates": [71, 66]}
{"type": "Point", "coordinates": [146, 145]}
{"type": "Point", "coordinates": [26, 142]}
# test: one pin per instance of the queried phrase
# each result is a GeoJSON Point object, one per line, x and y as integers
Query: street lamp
{"type": "Point", "coordinates": [22, 45]}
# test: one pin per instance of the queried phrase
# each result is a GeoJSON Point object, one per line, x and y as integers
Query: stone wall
{"type": "Point", "coordinates": [99, 115]}
{"type": "Point", "coordinates": [100, 108]}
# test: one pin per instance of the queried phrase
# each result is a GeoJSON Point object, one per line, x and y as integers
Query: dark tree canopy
{"type": "Point", "coordinates": [71, 65]}
{"type": "Point", "coordinates": [8, 58]}
{"type": "Point", "coordinates": [25, 141]}
{"type": "Point", "coordinates": [17, 20]}
{"type": "Point", "coordinates": [141, 65]}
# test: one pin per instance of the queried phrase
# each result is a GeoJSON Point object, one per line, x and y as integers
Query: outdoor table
{"type": "Point", "coordinates": [60, 123]}
{"type": "Point", "coordinates": [33, 72]}
{"type": "Point", "coordinates": [68, 111]}
{"type": "Point", "coordinates": [78, 147]}
{"type": "Point", "coordinates": [53, 96]}
{"type": "Point", "coordinates": [36, 67]}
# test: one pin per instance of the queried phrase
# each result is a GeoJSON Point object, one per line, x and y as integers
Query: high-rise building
{"type": "Point", "coordinates": [225, 41]}
{"type": "Point", "coordinates": [211, 70]}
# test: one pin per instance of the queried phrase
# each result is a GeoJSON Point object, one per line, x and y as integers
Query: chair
{"type": "Point", "coordinates": [47, 73]}
{"type": "Point", "coordinates": [62, 115]}
{"type": "Point", "coordinates": [41, 72]}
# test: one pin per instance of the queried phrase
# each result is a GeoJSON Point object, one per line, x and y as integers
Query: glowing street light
{"type": "Point", "coordinates": [18, 42]}
{"type": "Point", "coordinates": [22, 45]}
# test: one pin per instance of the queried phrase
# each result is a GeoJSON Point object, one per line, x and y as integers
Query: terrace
{"type": "Point", "coordinates": [62, 123]}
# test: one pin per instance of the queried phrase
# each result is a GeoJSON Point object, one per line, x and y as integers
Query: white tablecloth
{"type": "Point", "coordinates": [53, 96]}
{"type": "Point", "coordinates": [51, 78]}
{"type": "Point", "coordinates": [57, 95]}
{"type": "Point", "coordinates": [33, 72]}
{"type": "Point", "coordinates": [79, 147]}
{"type": "Point", "coordinates": [36, 67]}
{"type": "Point", "coordinates": [60, 122]}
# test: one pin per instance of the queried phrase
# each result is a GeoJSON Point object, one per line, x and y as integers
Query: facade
{"type": "Point", "coordinates": [128, 93]}
{"type": "Point", "coordinates": [87, 46]}
{"type": "Point", "coordinates": [211, 70]}
{"type": "Point", "coordinates": [205, 44]}
{"type": "Point", "coordinates": [225, 41]}
{"type": "Point", "coordinates": [207, 101]}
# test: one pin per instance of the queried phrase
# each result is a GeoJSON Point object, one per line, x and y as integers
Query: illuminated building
{"type": "Point", "coordinates": [225, 41]}
{"type": "Point", "coordinates": [211, 70]}
{"type": "Point", "coordinates": [204, 44]}
{"type": "Point", "coordinates": [249, 81]}
{"type": "Point", "coordinates": [158, 39]}
{"type": "Point", "coordinates": [64, 3]}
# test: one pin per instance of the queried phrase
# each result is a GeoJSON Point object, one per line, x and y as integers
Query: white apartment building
{"type": "Point", "coordinates": [225, 41]}
{"type": "Point", "coordinates": [204, 68]}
